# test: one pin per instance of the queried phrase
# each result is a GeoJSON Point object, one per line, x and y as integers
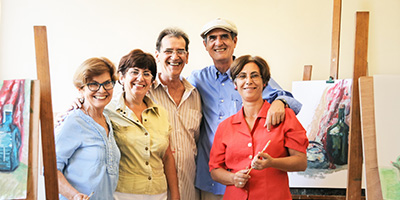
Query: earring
{"type": "Point", "coordinates": [235, 87]}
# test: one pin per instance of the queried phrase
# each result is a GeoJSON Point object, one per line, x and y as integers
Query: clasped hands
{"type": "Point", "coordinates": [259, 162]}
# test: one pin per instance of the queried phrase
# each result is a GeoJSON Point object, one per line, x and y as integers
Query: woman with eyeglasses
{"type": "Point", "coordinates": [142, 131]}
{"type": "Point", "coordinates": [87, 153]}
{"type": "Point", "coordinates": [252, 161]}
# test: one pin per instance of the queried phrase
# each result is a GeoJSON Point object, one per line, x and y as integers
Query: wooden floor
{"type": "Point", "coordinates": [322, 197]}
{"type": "Point", "coordinates": [321, 193]}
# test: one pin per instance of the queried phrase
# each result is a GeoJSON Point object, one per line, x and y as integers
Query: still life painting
{"type": "Point", "coordinates": [325, 115]}
{"type": "Point", "coordinates": [14, 138]}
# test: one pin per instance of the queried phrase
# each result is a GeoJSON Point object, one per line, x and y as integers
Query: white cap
{"type": "Point", "coordinates": [218, 23]}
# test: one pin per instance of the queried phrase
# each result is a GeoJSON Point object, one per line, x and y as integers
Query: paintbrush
{"type": "Point", "coordinates": [260, 152]}
{"type": "Point", "coordinates": [90, 195]}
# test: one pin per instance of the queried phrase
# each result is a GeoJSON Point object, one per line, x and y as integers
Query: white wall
{"type": "Point", "coordinates": [287, 33]}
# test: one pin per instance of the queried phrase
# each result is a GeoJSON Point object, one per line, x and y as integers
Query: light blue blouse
{"type": "Point", "coordinates": [88, 158]}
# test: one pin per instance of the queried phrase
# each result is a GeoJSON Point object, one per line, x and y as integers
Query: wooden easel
{"type": "Point", "coordinates": [355, 157]}
{"type": "Point", "coordinates": [336, 22]}
{"type": "Point", "coordinates": [32, 180]}
{"type": "Point", "coordinates": [46, 114]}
{"type": "Point", "coordinates": [373, 182]}
{"type": "Point", "coordinates": [355, 140]}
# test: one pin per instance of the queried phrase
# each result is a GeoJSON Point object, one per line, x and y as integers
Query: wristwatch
{"type": "Point", "coordinates": [284, 102]}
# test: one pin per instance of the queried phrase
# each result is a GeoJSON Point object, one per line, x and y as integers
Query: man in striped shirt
{"type": "Point", "coordinates": [182, 101]}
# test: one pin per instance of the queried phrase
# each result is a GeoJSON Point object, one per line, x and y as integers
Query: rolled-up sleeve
{"type": "Point", "coordinates": [273, 92]}
{"type": "Point", "coordinates": [67, 141]}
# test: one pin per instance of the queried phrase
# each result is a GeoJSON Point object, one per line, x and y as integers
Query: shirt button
{"type": "Point", "coordinates": [223, 84]}
{"type": "Point", "coordinates": [145, 120]}
{"type": "Point", "coordinates": [147, 163]}
{"type": "Point", "coordinates": [251, 156]}
{"type": "Point", "coordinates": [220, 117]}
{"type": "Point", "coordinates": [249, 144]}
{"type": "Point", "coordinates": [149, 178]}
{"type": "Point", "coordinates": [212, 184]}
{"type": "Point", "coordinates": [147, 148]}
{"type": "Point", "coordinates": [222, 101]}
{"type": "Point", "coordinates": [146, 133]}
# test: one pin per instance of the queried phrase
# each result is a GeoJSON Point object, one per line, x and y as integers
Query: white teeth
{"type": "Point", "coordinates": [138, 85]}
{"type": "Point", "coordinates": [250, 88]}
{"type": "Point", "coordinates": [100, 97]}
{"type": "Point", "coordinates": [174, 64]}
{"type": "Point", "coordinates": [219, 50]}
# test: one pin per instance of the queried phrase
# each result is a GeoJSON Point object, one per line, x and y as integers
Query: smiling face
{"type": "Point", "coordinates": [220, 45]}
{"type": "Point", "coordinates": [249, 83]}
{"type": "Point", "coordinates": [172, 56]}
{"type": "Point", "coordinates": [100, 98]}
{"type": "Point", "coordinates": [136, 82]}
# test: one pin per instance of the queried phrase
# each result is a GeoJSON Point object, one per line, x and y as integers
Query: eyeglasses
{"type": "Point", "coordinates": [253, 76]}
{"type": "Point", "coordinates": [179, 52]}
{"type": "Point", "coordinates": [146, 74]}
{"type": "Point", "coordinates": [94, 87]}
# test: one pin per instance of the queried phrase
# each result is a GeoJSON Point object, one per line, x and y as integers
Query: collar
{"type": "Point", "coordinates": [239, 117]}
{"type": "Point", "coordinates": [217, 73]}
{"type": "Point", "coordinates": [157, 83]}
{"type": "Point", "coordinates": [121, 106]}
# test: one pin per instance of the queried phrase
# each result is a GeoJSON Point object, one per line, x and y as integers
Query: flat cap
{"type": "Point", "coordinates": [218, 23]}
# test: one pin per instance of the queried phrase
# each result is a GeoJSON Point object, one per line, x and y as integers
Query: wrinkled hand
{"type": "Point", "coordinates": [77, 103]}
{"type": "Point", "coordinates": [275, 115]}
{"type": "Point", "coordinates": [80, 196]}
{"type": "Point", "coordinates": [240, 178]}
{"type": "Point", "coordinates": [261, 161]}
{"type": "Point", "coordinates": [59, 118]}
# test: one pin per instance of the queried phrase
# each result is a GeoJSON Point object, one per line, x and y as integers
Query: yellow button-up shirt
{"type": "Point", "coordinates": [142, 145]}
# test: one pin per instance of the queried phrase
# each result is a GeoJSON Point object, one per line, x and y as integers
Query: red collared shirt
{"type": "Point", "coordinates": [235, 146]}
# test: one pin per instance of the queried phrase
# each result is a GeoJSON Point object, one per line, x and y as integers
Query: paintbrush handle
{"type": "Point", "coordinates": [265, 148]}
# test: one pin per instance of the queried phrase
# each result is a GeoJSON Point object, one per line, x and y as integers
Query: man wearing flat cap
{"type": "Point", "coordinates": [220, 100]}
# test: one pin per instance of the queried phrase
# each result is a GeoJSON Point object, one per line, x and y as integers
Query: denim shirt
{"type": "Point", "coordinates": [88, 158]}
{"type": "Point", "coordinates": [220, 100]}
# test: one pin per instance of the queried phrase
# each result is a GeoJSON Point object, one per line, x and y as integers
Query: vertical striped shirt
{"type": "Point", "coordinates": [185, 120]}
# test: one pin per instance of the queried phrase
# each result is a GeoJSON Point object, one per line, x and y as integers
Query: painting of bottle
{"type": "Point", "coordinates": [337, 139]}
{"type": "Point", "coordinates": [10, 141]}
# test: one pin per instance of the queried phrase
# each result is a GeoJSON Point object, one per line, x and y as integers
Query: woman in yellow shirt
{"type": "Point", "coordinates": [147, 166]}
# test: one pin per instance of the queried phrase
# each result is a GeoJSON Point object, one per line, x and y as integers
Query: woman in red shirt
{"type": "Point", "coordinates": [240, 139]}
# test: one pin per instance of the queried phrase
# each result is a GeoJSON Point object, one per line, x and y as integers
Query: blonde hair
{"type": "Point", "coordinates": [93, 67]}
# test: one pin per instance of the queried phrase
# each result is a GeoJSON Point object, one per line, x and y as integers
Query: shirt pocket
{"type": "Point", "coordinates": [236, 101]}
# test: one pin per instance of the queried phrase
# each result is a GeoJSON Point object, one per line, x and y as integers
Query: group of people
{"type": "Point", "coordinates": [167, 137]}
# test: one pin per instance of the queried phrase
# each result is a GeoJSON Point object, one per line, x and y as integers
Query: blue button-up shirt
{"type": "Point", "coordinates": [88, 158]}
{"type": "Point", "coordinates": [220, 100]}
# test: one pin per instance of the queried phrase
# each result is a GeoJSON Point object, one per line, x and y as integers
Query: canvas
{"type": "Point", "coordinates": [325, 115]}
{"type": "Point", "coordinates": [14, 138]}
{"type": "Point", "coordinates": [387, 134]}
